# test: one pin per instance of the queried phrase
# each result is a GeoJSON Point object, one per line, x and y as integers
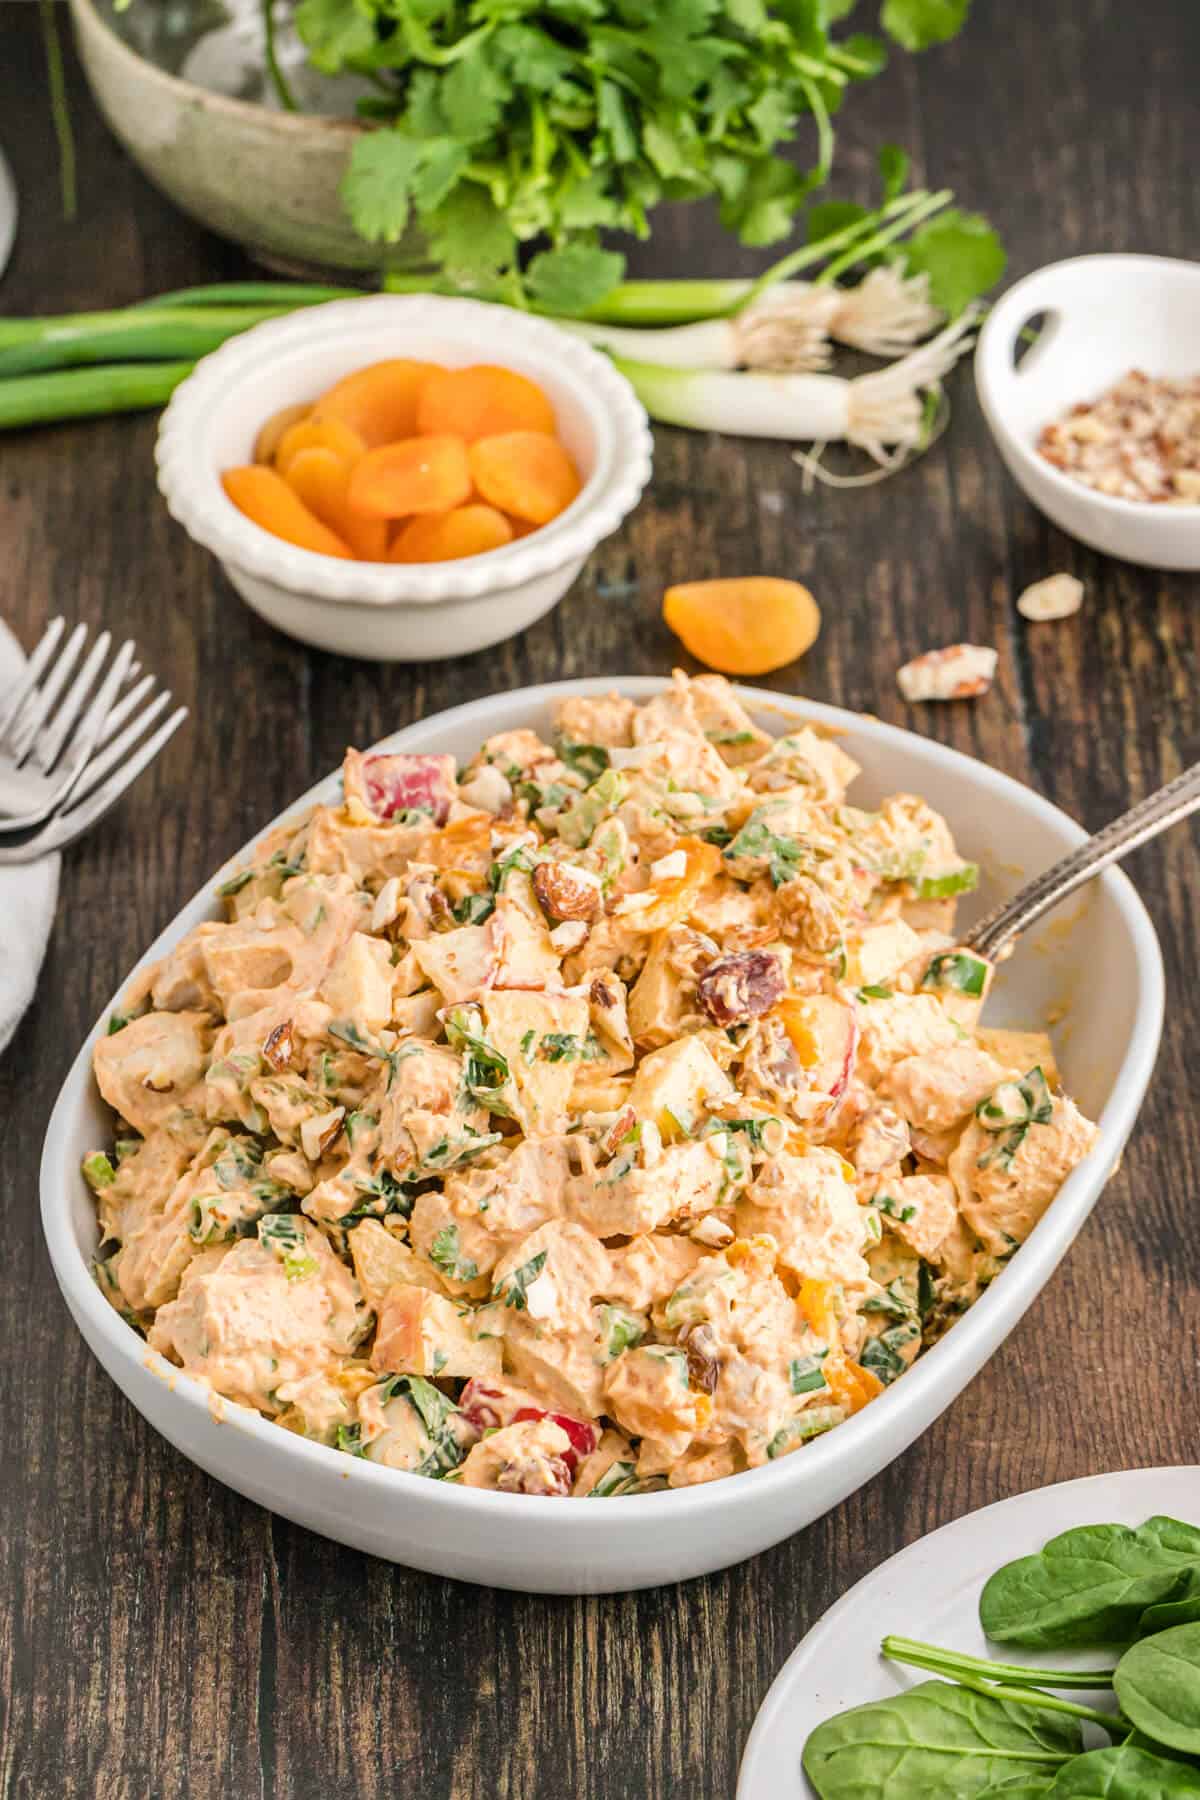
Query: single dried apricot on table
{"type": "Point", "coordinates": [318, 434]}
{"type": "Point", "coordinates": [443, 537]}
{"type": "Point", "coordinates": [746, 625]}
{"type": "Point", "coordinates": [418, 475]}
{"type": "Point", "coordinates": [527, 473]}
{"type": "Point", "coordinates": [265, 497]}
{"type": "Point", "coordinates": [322, 480]}
{"type": "Point", "coordinates": [378, 402]}
{"type": "Point", "coordinates": [482, 401]}
{"type": "Point", "coordinates": [270, 434]}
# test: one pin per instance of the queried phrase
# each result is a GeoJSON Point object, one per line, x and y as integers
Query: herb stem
{"type": "Point", "coordinates": [930, 204]}
{"type": "Point", "coordinates": [60, 109]}
{"type": "Point", "coordinates": [278, 80]}
{"type": "Point", "coordinates": [861, 230]}
{"type": "Point", "coordinates": [950, 1662]}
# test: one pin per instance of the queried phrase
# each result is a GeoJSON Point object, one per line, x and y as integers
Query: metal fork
{"type": "Point", "coordinates": [992, 935]}
{"type": "Point", "coordinates": [49, 730]}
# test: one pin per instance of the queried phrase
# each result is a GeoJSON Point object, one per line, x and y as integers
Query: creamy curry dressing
{"type": "Point", "coordinates": [609, 1116]}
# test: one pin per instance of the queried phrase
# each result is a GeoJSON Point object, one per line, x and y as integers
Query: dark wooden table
{"type": "Point", "coordinates": [161, 1637]}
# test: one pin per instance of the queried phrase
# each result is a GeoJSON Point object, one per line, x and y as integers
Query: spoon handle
{"type": "Point", "coordinates": [992, 935]}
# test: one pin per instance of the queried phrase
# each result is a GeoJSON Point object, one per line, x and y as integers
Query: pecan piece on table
{"type": "Point", "coordinates": [740, 986]}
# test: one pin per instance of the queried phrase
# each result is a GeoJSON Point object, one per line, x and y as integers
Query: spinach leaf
{"type": "Point", "coordinates": [784, 856]}
{"type": "Point", "coordinates": [1123, 1772]}
{"type": "Point", "coordinates": [1089, 1585]}
{"type": "Point", "coordinates": [1182, 1609]}
{"type": "Point", "coordinates": [1157, 1684]}
{"type": "Point", "coordinates": [938, 1742]}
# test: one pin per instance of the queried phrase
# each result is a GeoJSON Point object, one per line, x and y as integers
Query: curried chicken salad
{"type": "Point", "coordinates": [610, 1115]}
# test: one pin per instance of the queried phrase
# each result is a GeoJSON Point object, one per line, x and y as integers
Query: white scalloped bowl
{"type": "Point", "coordinates": [398, 612]}
{"type": "Point", "coordinates": [1106, 1045]}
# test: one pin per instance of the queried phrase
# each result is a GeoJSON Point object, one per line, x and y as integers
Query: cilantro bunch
{"type": "Point", "coordinates": [509, 122]}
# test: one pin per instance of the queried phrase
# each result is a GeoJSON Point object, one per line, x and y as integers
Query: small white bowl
{"type": "Point", "coordinates": [398, 612]}
{"type": "Point", "coordinates": [552, 1546]}
{"type": "Point", "coordinates": [1105, 315]}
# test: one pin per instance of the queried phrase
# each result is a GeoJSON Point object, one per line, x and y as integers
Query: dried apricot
{"type": "Point", "coordinates": [527, 473]}
{"type": "Point", "coordinates": [482, 401]}
{"type": "Point", "coordinates": [266, 498]}
{"type": "Point", "coordinates": [378, 402]}
{"type": "Point", "coordinates": [443, 537]}
{"type": "Point", "coordinates": [418, 475]}
{"type": "Point", "coordinates": [267, 441]}
{"type": "Point", "coordinates": [318, 434]}
{"type": "Point", "coordinates": [748, 625]}
{"type": "Point", "coordinates": [322, 480]}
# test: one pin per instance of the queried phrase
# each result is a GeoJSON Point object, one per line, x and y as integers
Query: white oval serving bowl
{"type": "Point", "coordinates": [398, 612]}
{"type": "Point", "coordinates": [1104, 316]}
{"type": "Point", "coordinates": [551, 1546]}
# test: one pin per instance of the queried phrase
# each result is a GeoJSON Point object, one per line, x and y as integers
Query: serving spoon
{"type": "Point", "coordinates": [996, 932]}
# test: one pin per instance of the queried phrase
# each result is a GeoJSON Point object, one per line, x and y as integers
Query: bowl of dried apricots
{"type": "Point", "coordinates": [403, 477]}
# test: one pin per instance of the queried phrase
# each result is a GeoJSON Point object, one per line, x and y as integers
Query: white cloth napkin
{"type": "Point", "coordinates": [27, 898]}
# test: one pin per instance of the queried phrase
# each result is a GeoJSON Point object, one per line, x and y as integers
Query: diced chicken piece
{"type": "Point", "coordinates": [920, 1209]}
{"type": "Point", "coordinates": [879, 952]}
{"type": "Point", "coordinates": [553, 1275]}
{"type": "Point", "coordinates": [510, 1193]}
{"type": "Point", "coordinates": [936, 1091]}
{"type": "Point", "coordinates": [181, 981]}
{"type": "Point", "coordinates": [515, 753]}
{"type": "Point", "coordinates": [905, 1025]}
{"type": "Point", "coordinates": [1003, 1199]}
{"type": "Point", "coordinates": [807, 759]}
{"type": "Point", "coordinates": [425, 1108]}
{"type": "Point", "coordinates": [594, 719]}
{"type": "Point", "coordinates": [623, 1201]}
{"type": "Point", "coordinates": [420, 1333]}
{"type": "Point", "coordinates": [649, 1268]}
{"type": "Point", "coordinates": [647, 1393]}
{"type": "Point", "coordinates": [146, 1069]}
{"type": "Point", "coordinates": [489, 790]}
{"type": "Point", "coordinates": [359, 985]}
{"type": "Point", "coordinates": [879, 1141]}
{"type": "Point", "coordinates": [527, 1458]}
{"type": "Point", "coordinates": [811, 1210]}
{"type": "Point", "coordinates": [254, 1321]}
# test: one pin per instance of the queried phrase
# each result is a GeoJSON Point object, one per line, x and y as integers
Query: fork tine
{"type": "Point", "coordinates": [66, 827]}
{"type": "Point", "coordinates": [128, 703]}
{"type": "Point", "coordinates": [23, 687]}
{"type": "Point", "coordinates": [114, 750]}
{"type": "Point", "coordinates": [93, 720]}
{"type": "Point", "coordinates": [29, 722]}
{"type": "Point", "coordinates": [49, 745]}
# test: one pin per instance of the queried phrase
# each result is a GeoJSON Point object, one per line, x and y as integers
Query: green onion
{"type": "Point", "coordinates": [87, 393]}
{"type": "Point", "coordinates": [285, 294]}
{"type": "Point", "coordinates": [138, 335]}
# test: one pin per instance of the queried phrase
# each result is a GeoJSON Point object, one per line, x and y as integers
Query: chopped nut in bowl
{"type": "Point", "coordinates": [1098, 420]}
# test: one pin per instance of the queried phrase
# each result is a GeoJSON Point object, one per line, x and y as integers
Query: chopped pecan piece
{"type": "Point", "coordinates": [741, 986]}
{"type": "Point", "coordinates": [277, 1051]}
{"type": "Point", "coordinates": [566, 892]}
{"type": "Point", "coordinates": [704, 1366]}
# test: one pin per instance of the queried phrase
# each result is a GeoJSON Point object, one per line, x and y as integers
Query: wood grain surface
{"type": "Point", "coordinates": [162, 1639]}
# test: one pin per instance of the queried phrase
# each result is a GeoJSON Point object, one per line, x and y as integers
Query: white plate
{"type": "Point", "coordinates": [931, 1591]}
